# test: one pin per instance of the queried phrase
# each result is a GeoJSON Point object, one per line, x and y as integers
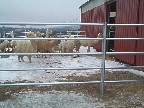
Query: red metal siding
{"type": "Point", "coordinates": [140, 43]}
{"type": "Point", "coordinates": [99, 17]}
{"type": "Point", "coordinates": [96, 15]}
{"type": "Point", "coordinates": [126, 14]}
{"type": "Point", "coordinates": [86, 18]}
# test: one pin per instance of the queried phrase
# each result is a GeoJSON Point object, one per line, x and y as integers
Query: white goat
{"type": "Point", "coordinates": [4, 45]}
{"type": "Point", "coordinates": [90, 43]}
{"type": "Point", "coordinates": [67, 45]}
{"type": "Point", "coordinates": [26, 46]}
{"type": "Point", "coordinates": [45, 46]}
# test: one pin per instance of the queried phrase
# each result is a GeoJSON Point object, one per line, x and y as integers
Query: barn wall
{"type": "Point", "coordinates": [140, 43]}
{"type": "Point", "coordinates": [95, 15]}
{"type": "Point", "coordinates": [127, 12]}
{"type": "Point", "coordinates": [99, 16]}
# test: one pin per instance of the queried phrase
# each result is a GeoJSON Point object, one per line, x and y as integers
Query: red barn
{"type": "Point", "coordinates": [117, 12]}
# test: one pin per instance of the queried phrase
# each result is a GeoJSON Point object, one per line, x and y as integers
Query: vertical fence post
{"type": "Point", "coordinates": [103, 58]}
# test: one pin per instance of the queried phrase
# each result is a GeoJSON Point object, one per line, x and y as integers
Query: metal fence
{"type": "Point", "coordinates": [103, 53]}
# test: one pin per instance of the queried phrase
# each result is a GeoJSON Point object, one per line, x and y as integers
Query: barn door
{"type": "Point", "coordinates": [111, 7]}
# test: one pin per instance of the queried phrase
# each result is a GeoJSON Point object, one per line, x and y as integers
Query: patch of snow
{"type": "Point", "coordinates": [55, 62]}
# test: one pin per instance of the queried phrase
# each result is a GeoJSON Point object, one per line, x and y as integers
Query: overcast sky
{"type": "Point", "coordinates": [49, 11]}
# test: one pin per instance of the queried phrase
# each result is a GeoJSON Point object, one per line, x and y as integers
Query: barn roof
{"type": "Point", "coordinates": [89, 1]}
{"type": "Point", "coordinates": [85, 3]}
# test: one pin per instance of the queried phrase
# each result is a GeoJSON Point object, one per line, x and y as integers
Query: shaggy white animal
{"type": "Point", "coordinates": [67, 45]}
{"type": "Point", "coordinates": [12, 34]}
{"type": "Point", "coordinates": [45, 46]}
{"type": "Point", "coordinates": [13, 44]}
{"type": "Point", "coordinates": [90, 43]}
{"type": "Point", "coordinates": [26, 46]}
{"type": "Point", "coordinates": [3, 46]}
{"type": "Point", "coordinates": [76, 43]}
{"type": "Point", "coordinates": [48, 32]}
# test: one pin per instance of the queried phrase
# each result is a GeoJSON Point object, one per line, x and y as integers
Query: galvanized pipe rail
{"type": "Point", "coordinates": [69, 83]}
{"type": "Point", "coordinates": [97, 53]}
{"type": "Point", "coordinates": [103, 53]}
{"type": "Point", "coordinates": [45, 24]}
{"type": "Point", "coordinates": [82, 68]}
{"type": "Point", "coordinates": [71, 38]}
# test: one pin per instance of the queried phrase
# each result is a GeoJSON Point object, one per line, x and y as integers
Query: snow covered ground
{"type": "Point", "coordinates": [54, 62]}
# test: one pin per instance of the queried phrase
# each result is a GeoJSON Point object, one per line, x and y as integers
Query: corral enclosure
{"type": "Point", "coordinates": [71, 68]}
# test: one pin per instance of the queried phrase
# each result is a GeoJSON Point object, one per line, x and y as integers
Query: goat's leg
{"type": "Point", "coordinates": [22, 58]}
{"type": "Point", "coordinates": [29, 57]}
{"type": "Point", "coordinates": [19, 58]}
{"type": "Point", "coordinates": [64, 50]}
{"type": "Point", "coordinates": [88, 50]}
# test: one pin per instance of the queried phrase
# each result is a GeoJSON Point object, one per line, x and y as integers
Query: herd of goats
{"type": "Point", "coordinates": [44, 46]}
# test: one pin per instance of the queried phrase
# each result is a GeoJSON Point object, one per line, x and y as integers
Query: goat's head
{"type": "Point", "coordinates": [69, 34]}
{"type": "Point", "coordinates": [30, 35]}
{"type": "Point", "coordinates": [38, 34]}
{"type": "Point", "coordinates": [49, 31]}
{"type": "Point", "coordinates": [99, 35]}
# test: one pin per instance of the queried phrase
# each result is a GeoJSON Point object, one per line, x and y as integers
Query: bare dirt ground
{"type": "Point", "coordinates": [116, 95]}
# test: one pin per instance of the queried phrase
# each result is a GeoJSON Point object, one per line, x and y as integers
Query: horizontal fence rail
{"type": "Point", "coordinates": [45, 24]}
{"type": "Point", "coordinates": [51, 39]}
{"type": "Point", "coordinates": [124, 38]}
{"type": "Point", "coordinates": [82, 68]}
{"type": "Point", "coordinates": [125, 24]}
{"type": "Point", "coordinates": [69, 83]}
{"type": "Point", "coordinates": [71, 38]}
{"type": "Point", "coordinates": [56, 54]}
{"type": "Point", "coordinates": [103, 53]}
